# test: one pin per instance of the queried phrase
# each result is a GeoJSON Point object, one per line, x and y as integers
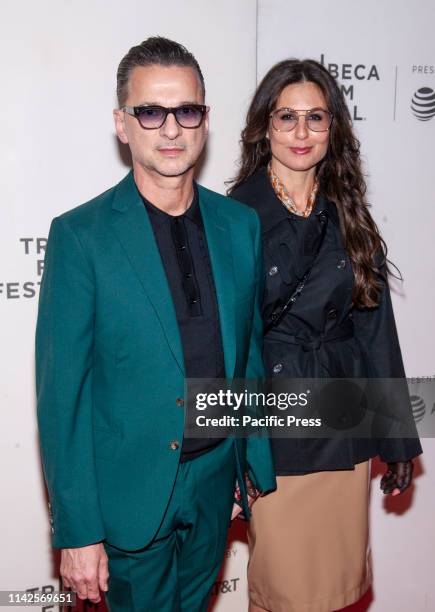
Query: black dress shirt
{"type": "Point", "coordinates": [183, 248]}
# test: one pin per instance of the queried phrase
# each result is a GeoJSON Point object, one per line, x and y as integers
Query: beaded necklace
{"type": "Point", "coordinates": [285, 197]}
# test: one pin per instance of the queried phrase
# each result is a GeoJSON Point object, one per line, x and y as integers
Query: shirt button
{"type": "Point", "coordinates": [341, 264]}
{"type": "Point", "coordinates": [277, 368]}
{"type": "Point", "coordinates": [174, 445]}
{"type": "Point", "coordinates": [273, 270]}
{"type": "Point", "coordinates": [179, 401]}
{"type": "Point", "coordinates": [332, 314]}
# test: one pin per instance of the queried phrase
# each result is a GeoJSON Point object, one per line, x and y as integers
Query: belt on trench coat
{"type": "Point", "coordinates": [341, 332]}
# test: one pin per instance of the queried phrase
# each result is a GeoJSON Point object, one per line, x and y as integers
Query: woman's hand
{"type": "Point", "coordinates": [397, 478]}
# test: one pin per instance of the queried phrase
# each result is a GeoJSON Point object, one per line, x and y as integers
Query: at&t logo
{"type": "Point", "coordinates": [423, 103]}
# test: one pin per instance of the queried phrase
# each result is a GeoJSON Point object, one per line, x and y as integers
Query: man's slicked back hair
{"type": "Point", "coordinates": [152, 51]}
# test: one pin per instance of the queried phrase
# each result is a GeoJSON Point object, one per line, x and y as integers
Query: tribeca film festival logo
{"type": "Point", "coordinates": [351, 72]}
{"type": "Point", "coordinates": [47, 589]}
{"type": "Point", "coordinates": [14, 290]}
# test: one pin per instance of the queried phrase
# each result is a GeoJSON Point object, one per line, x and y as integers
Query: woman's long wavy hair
{"type": "Point", "coordinates": [339, 174]}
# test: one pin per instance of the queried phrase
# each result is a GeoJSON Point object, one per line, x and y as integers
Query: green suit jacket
{"type": "Point", "coordinates": [109, 362]}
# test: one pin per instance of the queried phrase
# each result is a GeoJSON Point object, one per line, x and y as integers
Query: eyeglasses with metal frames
{"type": "Point", "coordinates": [316, 119]}
{"type": "Point", "coordinates": [152, 117]}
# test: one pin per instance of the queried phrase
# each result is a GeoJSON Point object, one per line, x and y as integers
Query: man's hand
{"type": "Point", "coordinates": [85, 570]}
{"type": "Point", "coordinates": [397, 478]}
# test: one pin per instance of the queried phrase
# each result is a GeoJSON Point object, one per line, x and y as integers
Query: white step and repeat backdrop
{"type": "Point", "coordinates": [58, 63]}
{"type": "Point", "coordinates": [383, 54]}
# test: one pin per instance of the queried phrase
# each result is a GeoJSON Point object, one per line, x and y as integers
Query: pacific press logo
{"type": "Point", "coordinates": [423, 103]}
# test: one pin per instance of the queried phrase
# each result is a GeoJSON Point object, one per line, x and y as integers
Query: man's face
{"type": "Point", "coordinates": [170, 150]}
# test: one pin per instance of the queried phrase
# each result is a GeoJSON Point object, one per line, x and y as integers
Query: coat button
{"type": "Point", "coordinates": [332, 314]}
{"type": "Point", "coordinates": [273, 270]}
{"type": "Point", "coordinates": [174, 445]}
{"type": "Point", "coordinates": [341, 264]}
{"type": "Point", "coordinates": [277, 368]}
{"type": "Point", "coordinates": [179, 401]}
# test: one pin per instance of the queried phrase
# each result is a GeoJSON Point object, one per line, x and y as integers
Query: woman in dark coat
{"type": "Point", "coordinates": [301, 171]}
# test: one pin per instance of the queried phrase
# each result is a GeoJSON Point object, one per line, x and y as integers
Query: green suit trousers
{"type": "Point", "coordinates": [176, 571]}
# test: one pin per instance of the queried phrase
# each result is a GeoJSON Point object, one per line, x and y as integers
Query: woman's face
{"type": "Point", "coordinates": [301, 149]}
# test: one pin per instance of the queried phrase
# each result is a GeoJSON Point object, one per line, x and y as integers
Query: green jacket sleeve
{"type": "Point", "coordinates": [64, 360]}
{"type": "Point", "coordinates": [259, 455]}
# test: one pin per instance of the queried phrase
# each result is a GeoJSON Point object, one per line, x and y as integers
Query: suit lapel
{"type": "Point", "coordinates": [133, 230]}
{"type": "Point", "coordinates": [218, 234]}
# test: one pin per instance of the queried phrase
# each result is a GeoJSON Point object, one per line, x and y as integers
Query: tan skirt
{"type": "Point", "coordinates": [308, 542]}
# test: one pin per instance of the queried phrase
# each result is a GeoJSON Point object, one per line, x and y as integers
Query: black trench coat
{"type": "Point", "coordinates": [323, 335]}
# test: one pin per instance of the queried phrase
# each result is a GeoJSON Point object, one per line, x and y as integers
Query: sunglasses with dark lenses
{"type": "Point", "coordinates": [316, 119]}
{"type": "Point", "coordinates": [153, 117]}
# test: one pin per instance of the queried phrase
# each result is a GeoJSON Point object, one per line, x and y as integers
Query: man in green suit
{"type": "Point", "coordinates": [154, 281]}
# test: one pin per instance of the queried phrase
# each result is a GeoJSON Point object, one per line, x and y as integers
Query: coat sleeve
{"type": "Point", "coordinates": [259, 454]}
{"type": "Point", "coordinates": [64, 360]}
{"type": "Point", "coordinates": [376, 333]}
